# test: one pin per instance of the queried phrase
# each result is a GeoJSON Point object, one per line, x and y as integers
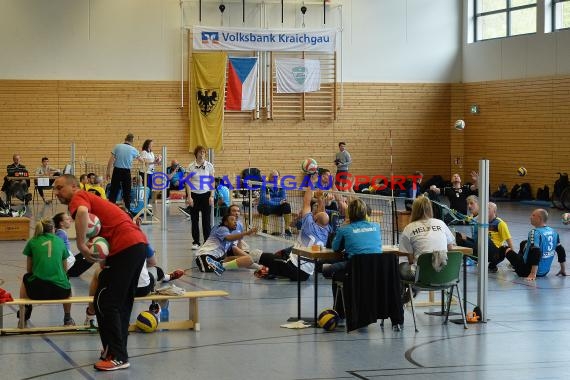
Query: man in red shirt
{"type": "Point", "coordinates": [118, 280]}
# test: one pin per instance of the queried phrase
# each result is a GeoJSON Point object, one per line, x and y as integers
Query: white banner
{"type": "Point", "coordinates": [297, 75]}
{"type": "Point", "coordinates": [220, 38]}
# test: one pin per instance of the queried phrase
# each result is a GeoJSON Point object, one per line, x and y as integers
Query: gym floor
{"type": "Point", "coordinates": [526, 335]}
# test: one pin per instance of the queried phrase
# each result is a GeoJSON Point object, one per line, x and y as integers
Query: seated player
{"type": "Point", "coordinates": [219, 254]}
{"type": "Point", "coordinates": [45, 170]}
{"type": "Point", "coordinates": [46, 264]}
{"type": "Point", "coordinates": [315, 230]}
{"type": "Point", "coordinates": [537, 253]}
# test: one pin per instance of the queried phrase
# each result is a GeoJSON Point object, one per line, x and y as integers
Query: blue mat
{"type": "Point", "coordinates": [537, 203]}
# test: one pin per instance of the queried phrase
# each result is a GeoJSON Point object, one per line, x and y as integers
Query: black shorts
{"type": "Point", "coordinates": [203, 265]}
{"type": "Point", "coordinates": [39, 289]}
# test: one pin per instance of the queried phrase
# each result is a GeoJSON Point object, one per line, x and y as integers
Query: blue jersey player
{"type": "Point", "coordinates": [537, 253]}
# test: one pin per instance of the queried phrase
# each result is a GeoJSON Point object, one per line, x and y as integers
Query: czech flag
{"type": "Point", "coordinates": [241, 83]}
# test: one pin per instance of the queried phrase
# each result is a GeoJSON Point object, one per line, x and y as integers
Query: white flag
{"type": "Point", "coordinates": [297, 75]}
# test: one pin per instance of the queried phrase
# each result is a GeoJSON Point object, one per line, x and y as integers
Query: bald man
{"type": "Point", "coordinates": [537, 253]}
{"type": "Point", "coordinates": [500, 239]}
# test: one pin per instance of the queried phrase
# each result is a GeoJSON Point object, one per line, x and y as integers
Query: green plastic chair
{"type": "Point", "coordinates": [428, 279]}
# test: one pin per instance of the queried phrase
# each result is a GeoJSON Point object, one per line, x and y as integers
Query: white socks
{"type": "Point", "coordinates": [255, 254]}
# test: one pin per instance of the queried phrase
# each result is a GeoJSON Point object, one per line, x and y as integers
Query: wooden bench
{"type": "Point", "coordinates": [17, 228]}
{"type": "Point", "coordinates": [191, 323]}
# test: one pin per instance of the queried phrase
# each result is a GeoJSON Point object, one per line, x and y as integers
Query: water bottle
{"type": "Point", "coordinates": [164, 313]}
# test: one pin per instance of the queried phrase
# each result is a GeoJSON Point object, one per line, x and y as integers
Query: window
{"type": "Point", "coordinates": [505, 18]}
{"type": "Point", "coordinates": [560, 14]}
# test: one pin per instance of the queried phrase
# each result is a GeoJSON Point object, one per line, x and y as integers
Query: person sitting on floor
{"type": "Point", "coordinates": [45, 277]}
{"type": "Point", "coordinates": [537, 253]}
{"type": "Point", "coordinates": [499, 236]}
{"type": "Point", "coordinates": [424, 234]}
{"type": "Point", "coordinates": [315, 230]}
{"type": "Point", "coordinates": [219, 254]}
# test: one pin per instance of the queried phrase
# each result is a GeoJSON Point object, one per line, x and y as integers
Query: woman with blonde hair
{"type": "Point", "coordinates": [46, 266]}
{"type": "Point", "coordinates": [424, 234]}
{"type": "Point", "coordinates": [359, 237]}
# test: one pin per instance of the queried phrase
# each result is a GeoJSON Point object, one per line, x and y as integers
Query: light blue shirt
{"type": "Point", "coordinates": [124, 155]}
{"type": "Point", "coordinates": [224, 193]}
{"type": "Point", "coordinates": [547, 240]}
{"type": "Point", "coordinates": [312, 233]}
{"type": "Point", "coordinates": [358, 238]}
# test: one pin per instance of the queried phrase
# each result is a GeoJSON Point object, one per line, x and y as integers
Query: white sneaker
{"type": "Point", "coordinates": [195, 246]}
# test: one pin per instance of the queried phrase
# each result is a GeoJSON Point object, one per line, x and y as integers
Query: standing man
{"type": "Point", "coordinates": [118, 280]}
{"type": "Point", "coordinates": [120, 162]}
{"type": "Point", "coordinates": [342, 161]}
{"type": "Point", "coordinates": [537, 253]}
{"type": "Point", "coordinates": [200, 186]}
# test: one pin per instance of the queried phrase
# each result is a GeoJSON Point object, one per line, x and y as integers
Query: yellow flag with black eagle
{"type": "Point", "coordinates": [208, 76]}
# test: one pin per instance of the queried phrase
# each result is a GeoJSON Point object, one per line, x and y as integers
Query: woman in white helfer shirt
{"type": "Point", "coordinates": [150, 160]}
{"type": "Point", "coordinates": [424, 234]}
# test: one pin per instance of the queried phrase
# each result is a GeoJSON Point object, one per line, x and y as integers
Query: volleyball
{"type": "Point", "coordinates": [521, 171]}
{"type": "Point", "coordinates": [309, 166]}
{"type": "Point", "coordinates": [460, 125]}
{"type": "Point", "coordinates": [146, 322]}
{"type": "Point", "coordinates": [93, 226]}
{"type": "Point", "coordinates": [328, 319]}
{"type": "Point", "coordinates": [99, 247]}
{"type": "Point", "coordinates": [566, 218]}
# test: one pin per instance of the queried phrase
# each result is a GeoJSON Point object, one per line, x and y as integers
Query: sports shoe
{"type": "Point", "coordinates": [22, 211]}
{"type": "Point", "coordinates": [216, 266]}
{"type": "Point", "coordinates": [493, 269]}
{"type": "Point", "coordinates": [264, 231]}
{"type": "Point", "coordinates": [195, 246]}
{"type": "Point", "coordinates": [263, 272]}
{"type": "Point", "coordinates": [111, 365]}
{"type": "Point", "coordinates": [27, 312]}
{"type": "Point", "coordinates": [185, 211]}
{"type": "Point", "coordinates": [154, 308]}
{"type": "Point", "coordinates": [170, 290]}
{"type": "Point", "coordinates": [68, 322]}
{"type": "Point", "coordinates": [288, 233]}
{"type": "Point", "coordinates": [175, 275]}
{"type": "Point", "coordinates": [90, 320]}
